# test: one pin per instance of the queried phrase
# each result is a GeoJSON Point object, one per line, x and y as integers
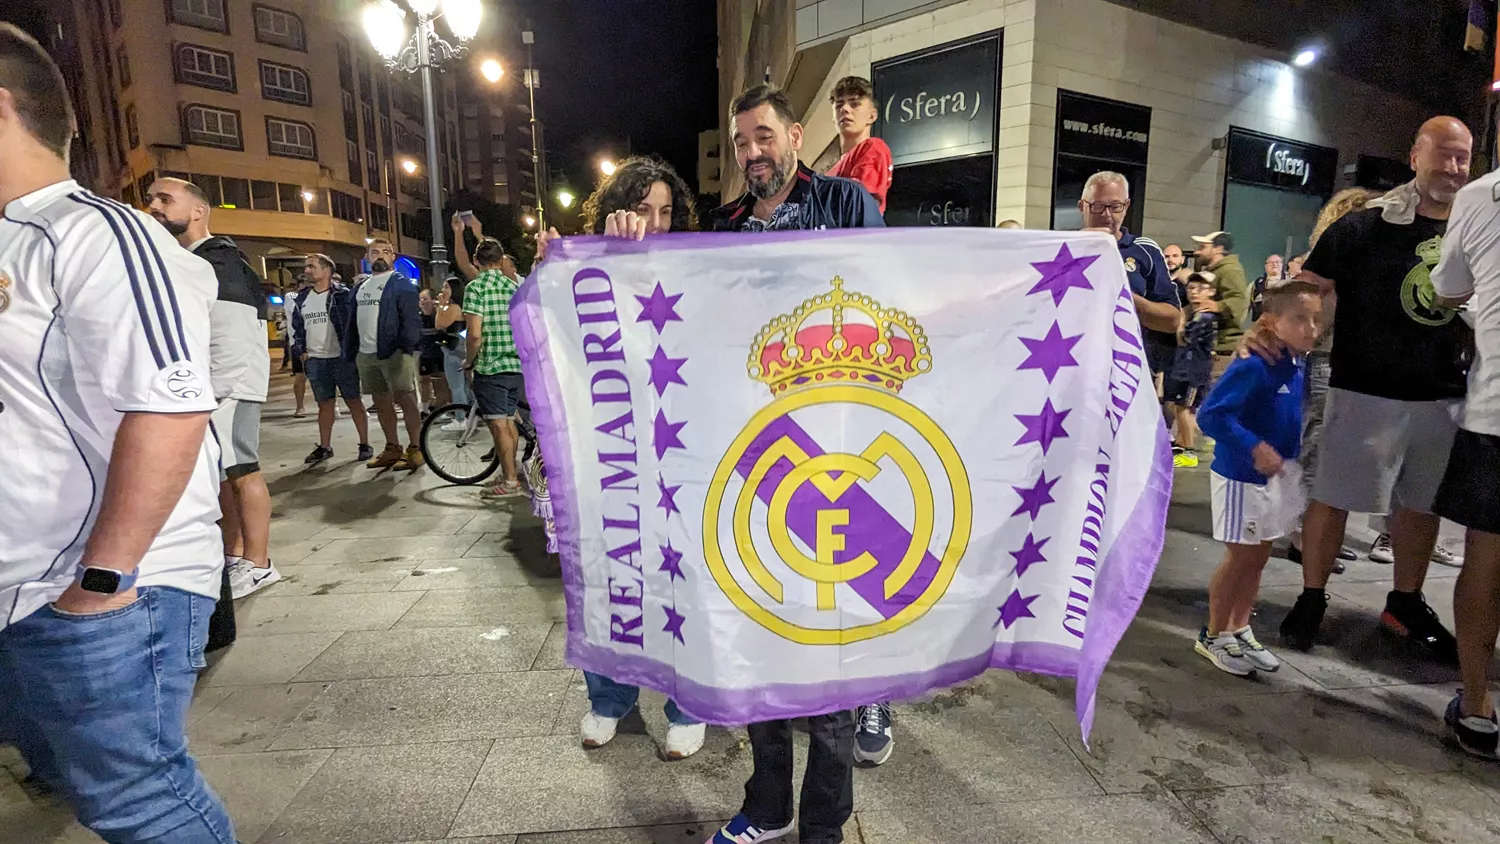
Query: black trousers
{"type": "Point", "coordinates": [827, 787]}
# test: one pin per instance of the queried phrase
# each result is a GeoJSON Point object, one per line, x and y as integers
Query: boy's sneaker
{"type": "Point", "coordinates": [1381, 551]}
{"type": "Point", "coordinates": [1476, 736]}
{"type": "Point", "coordinates": [1259, 656]}
{"type": "Point", "coordinates": [1443, 557]}
{"type": "Point", "coordinates": [1177, 449]}
{"type": "Point", "coordinates": [742, 831]}
{"type": "Point", "coordinates": [597, 731]}
{"type": "Point", "coordinates": [683, 740]}
{"type": "Point", "coordinates": [872, 742]}
{"type": "Point", "coordinates": [1224, 652]}
{"type": "Point", "coordinates": [1186, 460]}
{"type": "Point", "coordinates": [385, 459]}
{"type": "Point", "coordinates": [1300, 627]}
{"type": "Point", "coordinates": [1408, 615]}
{"type": "Point", "coordinates": [318, 455]}
{"type": "Point", "coordinates": [248, 578]}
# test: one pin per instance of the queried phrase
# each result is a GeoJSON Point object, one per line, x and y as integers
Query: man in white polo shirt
{"type": "Point", "coordinates": [109, 553]}
{"type": "Point", "coordinates": [1469, 271]}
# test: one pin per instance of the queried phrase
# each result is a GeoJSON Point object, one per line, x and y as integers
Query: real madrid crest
{"type": "Point", "coordinates": [886, 526]}
{"type": "Point", "coordinates": [4, 292]}
{"type": "Point", "coordinates": [1129, 265]}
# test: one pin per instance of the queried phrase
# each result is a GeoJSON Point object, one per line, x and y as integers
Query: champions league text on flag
{"type": "Point", "coordinates": [798, 472]}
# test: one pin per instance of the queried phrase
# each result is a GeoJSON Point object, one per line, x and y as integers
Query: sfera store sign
{"type": "Point", "coordinates": [1274, 162]}
{"type": "Point", "coordinates": [939, 103]}
{"type": "Point", "coordinates": [1103, 129]}
{"type": "Point", "coordinates": [955, 192]}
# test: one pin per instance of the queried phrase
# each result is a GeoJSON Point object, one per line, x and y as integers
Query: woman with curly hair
{"type": "Point", "coordinates": [643, 196]}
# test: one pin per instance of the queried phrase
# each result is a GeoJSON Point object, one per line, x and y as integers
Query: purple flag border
{"type": "Point", "coordinates": [1125, 572]}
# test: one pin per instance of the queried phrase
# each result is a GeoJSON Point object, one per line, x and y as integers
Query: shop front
{"type": "Point", "coordinates": [1273, 191]}
{"type": "Point", "coordinates": [938, 114]}
{"type": "Point", "coordinates": [1094, 134]}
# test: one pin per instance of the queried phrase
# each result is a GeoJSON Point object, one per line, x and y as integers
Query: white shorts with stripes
{"type": "Point", "coordinates": [1248, 514]}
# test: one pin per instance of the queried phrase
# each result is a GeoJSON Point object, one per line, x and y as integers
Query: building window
{"type": "Point", "coordinates": [284, 29]}
{"type": "Point", "coordinates": [346, 70]}
{"type": "Point", "coordinates": [122, 61]}
{"type": "Point", "coordinates": [236, 193]}
{"type": "Point", "coordinates": [372, 169]}
{"type": "Point", "coordinates": [347, 207]}
{"type": "Point", "coordinates": [132, 126]}
{"type": "Point", "coordinates": [205, 68]}
{"type": "Point", "coordinates": [263, 196]}
{"type": "Point", "coordinates": [380, 219]}
{"type": "Point", "coordinates": [367, 114]}
{"type": "Point", "coordinates": [290, 139]}
{"type": "Point", "coordinates": [203, 14]}
{"type": "Point", "coordinates": [213, 127]}
{"type": "Point", "coordinates": [210, 185]}
{"type": "Point", "coordinates": [385, 134]}
{"type": "Point", "coordinates": [285, 83]}
{"type": "Point", "coordinates": [351, 153]}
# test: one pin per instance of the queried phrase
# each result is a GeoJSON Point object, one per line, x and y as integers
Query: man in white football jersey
{"type": "Point", "coordinates": [109, 552]}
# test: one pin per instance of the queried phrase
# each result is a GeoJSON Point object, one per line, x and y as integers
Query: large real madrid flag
{"type": "Point", "coordinates": [798, 472]}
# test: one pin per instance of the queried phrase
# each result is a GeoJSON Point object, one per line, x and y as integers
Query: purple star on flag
{"type": "Point", "coordinates": [1043, 427]}
{"type": "Point", "coordinates": [674, 624]}
{"type": "Point", "coordinates": [667, 501]}
{"type": "Point", "coordinates": [1029, 555]}
{"type": "Point", "coordinates": [1014, 609]}
{"type": "Point", "coordinates": [665, 371]}
{"type": "Point", "coordinates": [659, 308]}
{"type": "Point", "coordinates": [671, 562]}
{"type": "Point", "coordinates": [1063, 273]}
{"type": "Point", "coordinates": [1051, 353]}
{"type": "Point", "coordinates": [1035, 497]}
{"type": "Point", "coordinates": [666, 434]}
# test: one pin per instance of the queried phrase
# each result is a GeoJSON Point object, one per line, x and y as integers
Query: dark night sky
{"type": "Point", "coordinates": [618, 72]}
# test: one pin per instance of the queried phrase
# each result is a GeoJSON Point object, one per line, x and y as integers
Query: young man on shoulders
{"type": "Point", "coordinates": [384, 329]}
{"type": "Point", "coordinates": [865, 159]}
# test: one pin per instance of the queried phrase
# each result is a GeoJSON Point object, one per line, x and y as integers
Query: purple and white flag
{"type": "Point", "coordinates": [798, 472]}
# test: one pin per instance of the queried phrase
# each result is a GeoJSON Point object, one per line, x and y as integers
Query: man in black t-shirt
{"type": "Point", "coordinates": [1396, 387]}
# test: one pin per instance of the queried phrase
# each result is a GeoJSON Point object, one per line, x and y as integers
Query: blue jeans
{"type": "Point", "coordinates": [453, 371]}
{"type": "Point", "coordinates": [615, 700]}
{"type": "Point", "coordinates": [97, 706]}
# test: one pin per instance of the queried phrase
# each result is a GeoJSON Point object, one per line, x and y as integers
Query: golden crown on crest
{"type": "Point", "coordinates": [839, 338]}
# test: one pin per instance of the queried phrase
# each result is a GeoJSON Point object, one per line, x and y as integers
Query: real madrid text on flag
{"type": "Point", "coordinates": [797, 472]}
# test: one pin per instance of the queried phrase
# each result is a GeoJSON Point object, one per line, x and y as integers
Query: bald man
{"type": "Point", "coordinates": [1395, 390]}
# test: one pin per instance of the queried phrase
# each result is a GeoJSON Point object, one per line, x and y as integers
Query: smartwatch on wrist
{"type": "Point", "coordinates": [104, 581]}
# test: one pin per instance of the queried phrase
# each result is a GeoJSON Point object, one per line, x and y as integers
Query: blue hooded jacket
{"type": "Point", "coordinates": [340, 303]}
{"type": "Point", "coordinates": [399, 328]}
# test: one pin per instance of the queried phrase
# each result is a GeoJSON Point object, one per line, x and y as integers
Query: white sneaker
{"type": "Point", "coordinates": [1381, 551]}
{"type": "Point", "coordinates": [248, 578]}
{"type": "Point", "coordinates": [597, 731]}
{"type": "Point", "coordinates": [455, 426]}
{"type": "Point", "coordinates": [1254, 651]}
{"type": "Point", "coordinates": [1443, 557]}
{"type": "Point", "coordinates": [683, 740]}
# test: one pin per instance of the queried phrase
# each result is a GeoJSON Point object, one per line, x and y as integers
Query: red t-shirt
{"type": "Point", "coordinates": [869, 163]}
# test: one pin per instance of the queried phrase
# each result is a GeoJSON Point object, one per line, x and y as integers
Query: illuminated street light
{"type": "Point", "coordinates": [1305, 58]}
{"type": "Point", "coordinates": [309, 195]}
{"type": "Point", "coordinates": [491, 70]}
{"type": "Point", "coordinates": [409, 165]}
{"type": "Point", "coordinates": [607, 166]}
{"type": "Point", "coordinates": [565, 198]}
{"type": "Point", "coordinates": [529, 220]}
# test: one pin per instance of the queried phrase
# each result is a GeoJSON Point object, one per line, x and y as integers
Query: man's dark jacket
{"type": "Point", "coordinates": [828, 202]}
{"type": "Point", "coordinates": [399, 328]}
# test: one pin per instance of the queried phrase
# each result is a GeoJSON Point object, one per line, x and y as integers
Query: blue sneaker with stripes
{"type": "Point", "coordinates": [742, 831]}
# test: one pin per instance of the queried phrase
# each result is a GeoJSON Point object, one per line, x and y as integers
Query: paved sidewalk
{"type": "Point", "coordinates": [406, 683]}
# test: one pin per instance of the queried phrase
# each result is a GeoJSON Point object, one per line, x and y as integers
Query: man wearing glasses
{"type": "Point", "coordinates": [1106, 199]}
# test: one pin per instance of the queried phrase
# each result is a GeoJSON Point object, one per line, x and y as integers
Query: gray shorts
{"type": "Point", "coordinates": [236, 423]}
{"type": "Point", "coordinates": [1376, 454]}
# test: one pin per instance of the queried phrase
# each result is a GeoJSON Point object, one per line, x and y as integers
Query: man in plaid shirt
{"type": "Point", "coordinates": [492, 356]}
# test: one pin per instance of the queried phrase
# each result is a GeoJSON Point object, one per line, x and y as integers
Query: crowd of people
{"type": "Point", "coordinates": [145, 511]}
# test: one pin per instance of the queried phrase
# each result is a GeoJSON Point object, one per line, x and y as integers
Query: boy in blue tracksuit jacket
{"type": "Point", "coordinates": [1254, 415]}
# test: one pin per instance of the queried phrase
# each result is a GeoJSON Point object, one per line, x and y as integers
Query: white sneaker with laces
{"type": "Point", "coordinates": [249, 578]}
{"type": "Point", "coordinates": [596, 730]}
{"type": "Point", "coordinates": [1254, 651]}
{"type": "Point", "coordinates": [1381, 551]}
{"type": "Point", "coordinates": [454, 426]}
{"type": "Point", "coordinates": [683, 740]}
{"type": "Point", "coordinates": [1443, 557]}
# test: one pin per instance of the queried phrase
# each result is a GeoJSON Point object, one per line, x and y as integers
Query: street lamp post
{"type": "Point", "coordinates": [532, 81]}
{"type": "Point", "coordinates": [386, 27]}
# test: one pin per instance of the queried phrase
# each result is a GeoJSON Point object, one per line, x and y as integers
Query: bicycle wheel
{"type": "Point", "coordinates": [454, 441]}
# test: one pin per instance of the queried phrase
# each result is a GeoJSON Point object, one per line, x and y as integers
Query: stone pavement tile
{"type": "Point", "coordinates": [398, 710]}
{"type": "Point", "coordinates": [413, 652]}
{"type": "Point", "coordinates": [485, 607]}
{"type": "Point", "coordinates": [474, 573]}
{"type": "Point", "coordinates": [1418, 709]}
{"type": "Point", "coordinates": [1431, 808]}
{"type": "Point", "coordinates": [390, 549]}
{"type": "Point", "coordinates": [371, 795]}
{"type": "Point", "coordinates": [291, 552]}
{"type": "Point", "coordinates": [492, 519]}
{"type": "Point", "coordinates": [524, 540]}
{"type": "Point", "coordinates": [1151, 817]}
{"type": "Point", "coordinates": [31, 823]}
{"type": "Point", "coordinates": [295, 530]}
{"type": "Point", "coordinates": [256, 787]}
{"type": "Point", "coordinates": [251, 718]}
{"type": "Point", "coordinates": [681, 833]}
{"type": "Point", "coordinates": [551, 784]}
{"type": "Point", "coordinates": [205, 698]}
{"type": "Point", "coordinates": [340, 578]}
{"type": "Point", "coordinates": [437, 524]}
{"type": "Point", "coordinates": [553, 654]}
{"type": "Point", "coordinates": [259, 660]}
{"type": "Point", "coordinates": [268, 613]}
{"type": "Point", "coordinates": [488, 839]}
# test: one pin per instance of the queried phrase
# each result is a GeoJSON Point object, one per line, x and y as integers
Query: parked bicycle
{"type": "Point", "coordinates": [458, 445]}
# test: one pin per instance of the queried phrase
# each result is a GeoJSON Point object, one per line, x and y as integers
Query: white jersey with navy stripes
{"type": "Point", "coordinates": [101, 314]}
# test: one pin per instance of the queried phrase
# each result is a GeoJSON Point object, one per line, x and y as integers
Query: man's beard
{"type": "Point", "coordinates": [780, 172]}
{"type": "Point", "coordinates": [172, 226]}
{"type": "Point", "coordinates": [380, 265]}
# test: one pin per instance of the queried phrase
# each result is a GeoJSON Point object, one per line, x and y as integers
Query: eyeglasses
{"type": "Point", "coordinates": [1111, 207]}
